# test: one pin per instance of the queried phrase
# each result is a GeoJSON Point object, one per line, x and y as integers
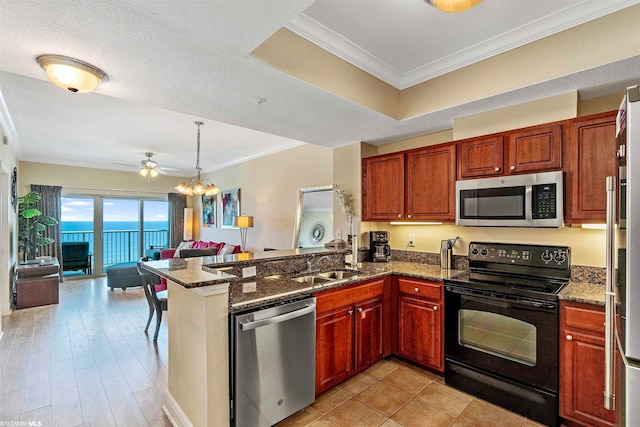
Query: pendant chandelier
{"type": "Point", "coordinates": [197, 186]}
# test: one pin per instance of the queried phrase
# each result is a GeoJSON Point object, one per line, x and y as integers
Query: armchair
{"type": "Point", "coordinates": [75, 256]}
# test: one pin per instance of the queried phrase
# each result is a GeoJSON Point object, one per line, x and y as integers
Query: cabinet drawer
{"type": "Point", "coordinates": [334, 298]}
{"type": "Point", "coordinates": [586, 317]}
{"type": "Point", "coordinates": [431, 290]}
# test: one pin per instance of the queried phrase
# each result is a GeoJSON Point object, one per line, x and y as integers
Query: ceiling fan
{"type": "Point", "coordinates": [149, 168]}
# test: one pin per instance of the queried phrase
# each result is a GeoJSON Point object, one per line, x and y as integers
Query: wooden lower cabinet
{"type": "Point", "coordinates": [369, 331]}
{"type": "Point", "coordinates": [350, 331]}
{"type": "Point", "coordinates": [334, 347]}
{"type": "Point", "coordinates": [420, 323]}
{"type": "Point", "coordinates": [582, 365]}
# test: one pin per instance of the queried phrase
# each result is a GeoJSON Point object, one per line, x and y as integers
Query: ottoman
{"type": "Point", "coordinates": [123, 275]}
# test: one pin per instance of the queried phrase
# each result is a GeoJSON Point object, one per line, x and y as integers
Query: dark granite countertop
{"type": "Point", "coordinates": [248, 293]}
{"type": "Point", "coordinates": [588, 293]}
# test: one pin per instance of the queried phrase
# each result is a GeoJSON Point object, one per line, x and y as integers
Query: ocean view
{"type": "Point", "coordinates": [70, 226]}
{"type": "Point", "coordinates": [120, 238]}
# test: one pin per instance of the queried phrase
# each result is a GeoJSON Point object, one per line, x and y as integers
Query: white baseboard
{"type": "Point", "coordinates": [174, 412]}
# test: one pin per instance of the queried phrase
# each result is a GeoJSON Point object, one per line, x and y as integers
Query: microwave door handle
{"type": "Point", "coordinates": [528, 203]}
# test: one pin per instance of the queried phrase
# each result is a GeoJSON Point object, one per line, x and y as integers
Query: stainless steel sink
{"type": "Point", "coordinates": [340, 274]}
{"type": "Point", "coordinates": [312, 280]}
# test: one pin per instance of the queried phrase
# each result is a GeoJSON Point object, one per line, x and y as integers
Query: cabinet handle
{"type": "Point", "coordinates": [512, 168]}
{"type": "Point", "coordinates": [409, 216]}
{"type": "Point", "coordinates": [399, 215]}
{"type": "Point", "coordinates": [360, 310]}
{"type": "Point", "coordinates": [416, 289]}
{"type": "Point", "coordinates": [435, 308]}
{"type": "Point", "coordinates": [350, 312]}
{"type": "Point", "coordinates": [569, 337]}
{"type": "Point", "coordinates": [497, 169]}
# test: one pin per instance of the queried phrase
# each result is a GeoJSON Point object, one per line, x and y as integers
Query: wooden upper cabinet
{"type": "Point", "coordinates": [481, 157]}
{"type": "Point", "coordinates": [383, 187]}
{"type": "Point", "coordinates": [431, 180]}
{"type": "Point", "coordinates": [592, 157]}
{"type": "Point", "coordinates": [535, 149]}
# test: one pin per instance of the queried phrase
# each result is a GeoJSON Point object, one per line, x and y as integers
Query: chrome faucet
{"type": "Point", "coordinates": [311, 263]}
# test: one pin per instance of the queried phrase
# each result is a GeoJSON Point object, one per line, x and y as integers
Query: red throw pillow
{"type": "Point", "coordinates": [200, 245]}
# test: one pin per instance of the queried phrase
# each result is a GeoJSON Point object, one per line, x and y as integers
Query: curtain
{"type": "Point", "coordinates": [177, 203]}
{"type": "Point", "coordinates": [50, 204]}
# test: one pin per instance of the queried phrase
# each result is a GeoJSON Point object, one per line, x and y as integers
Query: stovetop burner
{"type": "Point", "coordinates": [520, 270]}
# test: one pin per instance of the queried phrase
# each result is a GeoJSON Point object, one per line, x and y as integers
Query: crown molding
{"type": "Point", "coordinates": [561, 20]}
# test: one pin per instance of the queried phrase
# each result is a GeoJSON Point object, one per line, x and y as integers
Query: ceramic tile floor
{"type": "Point", "coordinates": [393, 393]}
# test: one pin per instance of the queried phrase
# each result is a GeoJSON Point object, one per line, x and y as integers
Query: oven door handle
{"type": "Point", "coordinates": [507, 304]}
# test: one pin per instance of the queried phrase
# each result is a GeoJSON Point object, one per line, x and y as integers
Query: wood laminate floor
{"type": "Point", "coordinates": [83, 362]}
{"type": "Point", "coordinates": [87, 362]}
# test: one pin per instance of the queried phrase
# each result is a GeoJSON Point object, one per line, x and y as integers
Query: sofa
{"type": "Point", "coordinates": [195, 248]}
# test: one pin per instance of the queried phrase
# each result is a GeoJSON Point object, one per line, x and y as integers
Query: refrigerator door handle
{"type": "Point", "coordinates": [609, 357]}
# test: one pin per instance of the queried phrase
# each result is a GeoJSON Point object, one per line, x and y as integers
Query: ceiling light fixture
{"type": "Point", "coordinates": [71, 74]}
{"type": "Point", "coordinates": [196, 185]}
{"type": "Point", "coordinates": [148, 167]}
{"type": "Point", "coordinates": [454, 6]}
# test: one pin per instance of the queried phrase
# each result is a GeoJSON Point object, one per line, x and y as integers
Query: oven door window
{"type": "Point", "coordinates": [498, 335]}
{"type": "Point", "coordinates": [493, 203]}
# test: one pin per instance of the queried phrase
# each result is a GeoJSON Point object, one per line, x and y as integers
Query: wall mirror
{"type": "Point", "coordinates": [314, 217]}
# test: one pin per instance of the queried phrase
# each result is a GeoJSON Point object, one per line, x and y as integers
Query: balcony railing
{"type": "Point", "coordinates": [120, 245]}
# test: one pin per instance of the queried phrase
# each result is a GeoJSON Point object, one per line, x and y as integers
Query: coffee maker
{"type": "Point", "coordinates": [379, 246]}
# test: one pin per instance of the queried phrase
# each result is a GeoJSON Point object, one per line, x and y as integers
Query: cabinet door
{"type": "Point", "coordinates": [334, 347]}
{"type": "Point", "coordinates": [383, 187]}
{"type": "Point", "coordinates": [535, 149]}
{"type": "Point", "coordinates": [481, 157]}
{"type": "Point", "coordinates": [582, 366]}
{"type": "Point", "coordinates": [431, 180]}
{"type": "Point", "coordinates": [419, 331]}
{"type": "Point", "coordinates": [592, 144]}
{"type": "Point", "coordinates": [369, 328]}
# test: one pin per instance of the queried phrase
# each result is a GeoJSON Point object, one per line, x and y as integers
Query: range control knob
{"type": "Point", "coordinates": [484, 252]}
{"type": "Point", "coordinates": [547, 256]}
{"type": "Point", "coordinates": [474, 251]}
{"type": "Point", "coordinates": [560, 256]}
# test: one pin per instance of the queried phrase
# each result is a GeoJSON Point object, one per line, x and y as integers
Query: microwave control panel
{"type": "Point", "coordinates": [543, 201]}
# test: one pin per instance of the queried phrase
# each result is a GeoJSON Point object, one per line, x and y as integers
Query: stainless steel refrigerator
{"type": "Point", "coordinates": [622, 353]}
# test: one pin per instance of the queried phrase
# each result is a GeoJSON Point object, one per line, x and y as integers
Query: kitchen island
{"type": "Point", "coordinates": [204, 291]}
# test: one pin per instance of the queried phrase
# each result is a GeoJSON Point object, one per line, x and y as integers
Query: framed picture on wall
{"type": "Point", "coordinates": [230, 206]}
{"type": "Point", "coordinates": [209, 212]}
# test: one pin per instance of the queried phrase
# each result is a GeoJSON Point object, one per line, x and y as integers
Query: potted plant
{"type": "Point", "coordinates": [31, 224]}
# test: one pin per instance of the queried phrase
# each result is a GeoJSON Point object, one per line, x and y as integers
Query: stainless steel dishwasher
{"type": "Point", "coordinates": [273, 365]}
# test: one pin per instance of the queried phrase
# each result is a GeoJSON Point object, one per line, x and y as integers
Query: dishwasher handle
{"type": "Point", "coordinates": [248, 326]}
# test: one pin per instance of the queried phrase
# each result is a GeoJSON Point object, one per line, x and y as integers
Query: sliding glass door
{"type": "Point", "coordinates": [118, 229]}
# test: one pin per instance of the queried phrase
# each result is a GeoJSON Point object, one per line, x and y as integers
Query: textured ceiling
{"type": "Point", "coordinates": [170, 63]}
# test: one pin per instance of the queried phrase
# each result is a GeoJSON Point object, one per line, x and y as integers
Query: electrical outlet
{"type": "Point", "coordinates": [411, 240]}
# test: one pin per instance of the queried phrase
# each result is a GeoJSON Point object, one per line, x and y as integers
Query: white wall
{"type": "Point", "coordinates": [8, 224]}
{"type": "Point", "coordinates": [269, 192]}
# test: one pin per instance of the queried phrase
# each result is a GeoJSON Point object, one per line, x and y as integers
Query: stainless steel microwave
{"type": "Point", "coordinates": [531, 200]}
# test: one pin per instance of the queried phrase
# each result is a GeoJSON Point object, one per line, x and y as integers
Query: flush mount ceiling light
{"type": "Point", "coordinates": [196, 185]}
{"type": "Point", "coordinates": [149, 167]}
{"type": "Point", "coordinates": [71, 74]}
{"type": "Point", "coordinates": [453, 6]}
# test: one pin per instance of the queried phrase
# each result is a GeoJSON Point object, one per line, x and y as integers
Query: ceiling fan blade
{"type": "Point", "coordinates": [126, 164]}
{"type": "Point", "coordinates": [167, 169]}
